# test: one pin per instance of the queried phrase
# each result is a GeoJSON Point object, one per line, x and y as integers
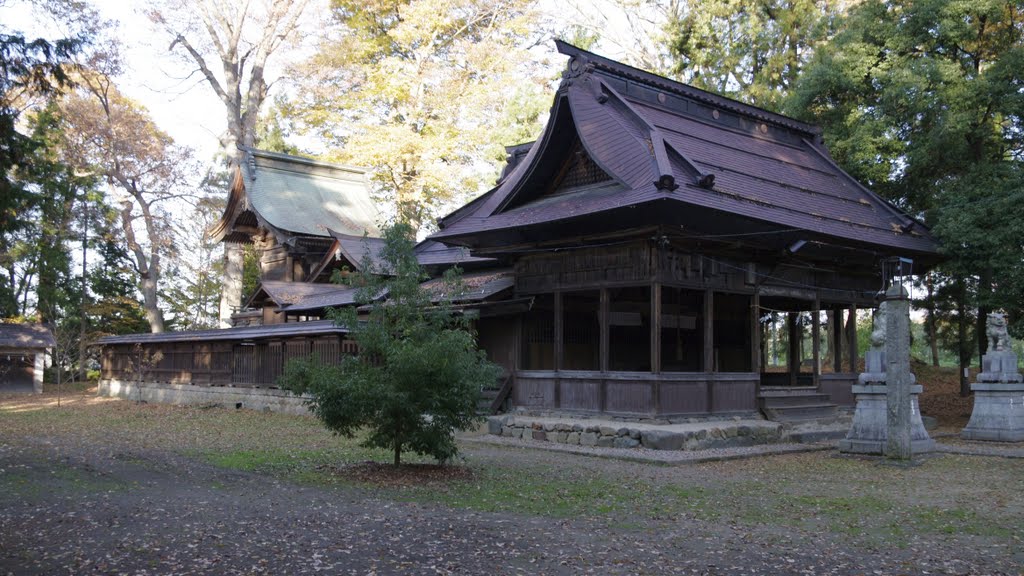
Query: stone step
{"type": "Point", "coordinates": [800, 413]}
{"type": "Point", "coordinates": [774, 391]}
{"type": "Point", "coordinates": [487, 396]}
{"type": "Point", "coordinates": [813, 436]}
{"type": "Point", "coordinates": [794, 400]}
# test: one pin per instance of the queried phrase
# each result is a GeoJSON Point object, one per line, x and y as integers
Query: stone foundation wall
{"type": "Point", "coordinates": [722, 434]}
{"type": "Point", "coordinates": [225, 396]}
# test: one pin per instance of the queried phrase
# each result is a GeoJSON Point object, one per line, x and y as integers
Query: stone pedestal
{"type": "Point", "coordinates": [869, 431]}
{"type": "Point", "coordinates": [998, 400]}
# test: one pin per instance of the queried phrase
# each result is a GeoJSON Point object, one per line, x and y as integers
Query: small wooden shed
{"type": "Point", "coordinates": [23, 349]}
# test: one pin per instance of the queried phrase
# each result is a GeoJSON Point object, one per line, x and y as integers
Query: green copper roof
{"type": "Point", "coordinates": [307, 197]}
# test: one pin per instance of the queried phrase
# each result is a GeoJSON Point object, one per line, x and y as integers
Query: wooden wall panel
{"type": "Point", "coordinates": [689, 397]}
{"type": "Point", "coordinates": [839, 388]}
{"type": "Point", "coordinates": [626, 397]}
{"type": "Point", "coordinates": [580, 394]}
{"type": "Point", "coordinates": [734, 395]}
{"type": "Point", "coordinates": [535, 393]}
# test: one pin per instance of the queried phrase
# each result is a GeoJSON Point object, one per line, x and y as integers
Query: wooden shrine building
{"type": "Point", "coordinates": [287, 206]}
{"type": "Point", "coordinates": [653, 225]}
{"type": "Point", "coordinates": [637, 260]}
{"type": "Point", "coordinates": [23, 351]}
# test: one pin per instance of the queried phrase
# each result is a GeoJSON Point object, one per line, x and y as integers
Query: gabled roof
{"type": "Point", "coordinates": [476, 287]}
{"type": "Point", "coordinates": [285, 294]}
{"type": "Point", "coordinates": [27, 336]}
{"type": "Point", "coordinates": [680, 153]}
{"type": "Point", "coordinates": [432, 253]}
{"type": "Point", "coordinates": [297, 196]}
{"type": "Point", "coordinates": [356, 249]}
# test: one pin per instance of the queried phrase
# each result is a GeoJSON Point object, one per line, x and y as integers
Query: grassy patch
{"type": "Point", "coordinates": [270, 461]}
{"type": "Point", "coordinates": [41, 481]}
{"type": "Point", "coordinates": [949, 496]}
{"type": "Point", "coordinates": [531, 491]}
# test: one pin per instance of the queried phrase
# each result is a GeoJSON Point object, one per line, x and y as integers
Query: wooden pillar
{"type": "Point", "coordinates": [604, 315]}
{"type": "Point", "coordinates": [709, 347]}
{"type": "Point", "coordinates": [794, 348]}
{"type": "Point", "coordinates": [816, 344]}
{"type": "Point", "coordinates": [558, 347]}
{"type": "Point", "coordinates": [755, 333]}
{"type": "Point", "coordinates": [851, 337]}
{"type": "Point", "coordinates": [837, 340]}
{"type": "Point", "coordinates": [656, 344]}
{"type": "Point", "coordinates": [709, 331]}
{"type": "Point", "coordinates": [559, 330]}
{"type": "Point", "coordinates": [656, 327]}
{"type": "Point", "coordinates": [517, 343]}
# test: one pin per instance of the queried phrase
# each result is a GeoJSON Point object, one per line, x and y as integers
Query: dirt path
{"type": "Point", "coordinates": [101, 487]}
{"type": "Point", "coordinates": [159, 513]}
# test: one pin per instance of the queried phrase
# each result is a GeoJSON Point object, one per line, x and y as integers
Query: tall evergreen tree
{"type": "Point", "coordinates": [753, 51]}
{"type": "Point", "coordinates": [28, 69]}
{"type": "Point", "coordinates": [923, 102]}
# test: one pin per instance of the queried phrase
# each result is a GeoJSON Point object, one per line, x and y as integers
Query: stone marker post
{"type": "Point", "coordinates": [898, 378]}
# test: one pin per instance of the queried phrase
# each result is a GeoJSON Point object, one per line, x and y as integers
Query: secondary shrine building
{"type": "Point", "coordinates": [659, 251]}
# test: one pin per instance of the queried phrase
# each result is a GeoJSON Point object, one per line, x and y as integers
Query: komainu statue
{"type": "Point", "coordinates": [878, 328]}
{"type": "Point", "coordinates": [995, 329]}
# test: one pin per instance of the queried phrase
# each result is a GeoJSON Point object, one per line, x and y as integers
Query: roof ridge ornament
{"type": "Point", "coordinates": [577, 66]}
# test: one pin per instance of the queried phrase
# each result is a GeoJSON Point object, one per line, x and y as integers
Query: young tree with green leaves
{"type": "Point", "coordinates": [418, 374]}
{"type": "Point", "coordinates": [922, 101]}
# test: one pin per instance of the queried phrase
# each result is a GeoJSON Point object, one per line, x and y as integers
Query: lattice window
{"type": "Point", "coordinates": [582, 170]}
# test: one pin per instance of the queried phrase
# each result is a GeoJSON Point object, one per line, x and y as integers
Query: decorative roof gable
{"type": "Point", "coordinates": [661, 141]}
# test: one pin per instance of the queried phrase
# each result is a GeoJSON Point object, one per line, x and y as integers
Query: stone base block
{"type": "Point", "coordinates": [869, 431]}
{"type": "Point", "coordinates": [877, 447]}
{"type": "Point", "coordinates": [998, 413]}
{"type": "Point", "coordinates": [225, 396]}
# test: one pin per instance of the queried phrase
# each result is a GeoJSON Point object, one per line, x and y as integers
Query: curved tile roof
{"type": "Point", "coordinates": [298, 196]}
{"type": "Point", "coordinates": [660, 141]}
{"type": "Point", "coordinates": [28, 336]}
{"type": "Point", "coordinates": [307, 197]}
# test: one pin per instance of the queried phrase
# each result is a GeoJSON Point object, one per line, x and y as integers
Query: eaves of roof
{"type": "Point", "coordinates": [244, 333]}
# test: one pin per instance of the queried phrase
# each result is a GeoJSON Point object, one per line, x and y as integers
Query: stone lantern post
{"type": "Point", "coordinates": [887, 420]}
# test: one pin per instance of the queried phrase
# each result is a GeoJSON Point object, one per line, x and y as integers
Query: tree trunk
{"type": "Point", "coordinates": [85, 291]}
{"type": "Point", "coordinates": [830, 338]}
{"type": "Point", "coordinates": [964, 346]}
{"type": "Point", "coordinates": [932, 328]}
{"type": "Point", "coordinates": [984, 308]}
{"type": "Point", "coordinates": [154, 315]}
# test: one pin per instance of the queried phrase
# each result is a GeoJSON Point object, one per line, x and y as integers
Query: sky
{"type": "Point", "coordinates": [184, 105]}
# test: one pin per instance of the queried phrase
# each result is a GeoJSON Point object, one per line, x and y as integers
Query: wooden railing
{"type": "Point", "coordinates": [504, 391]}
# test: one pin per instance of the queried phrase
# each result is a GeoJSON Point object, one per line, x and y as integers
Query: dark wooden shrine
{"type": "Point", "coordinates": [655, 227]}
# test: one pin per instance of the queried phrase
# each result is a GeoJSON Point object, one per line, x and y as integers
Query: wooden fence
{"type": "Point", "coordinates": [256, 364]}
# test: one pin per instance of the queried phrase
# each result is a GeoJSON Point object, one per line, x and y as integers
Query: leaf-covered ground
{"type": "Point", "coordinates": [940, 396]}
{"type": "Point", "coordinates": [102, 486]}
